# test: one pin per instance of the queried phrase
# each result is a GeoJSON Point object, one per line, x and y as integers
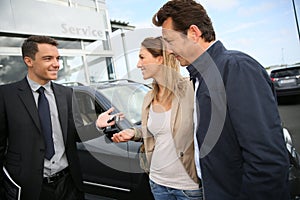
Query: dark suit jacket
{"type": "Point", "coordinates": [21, 141]}
{"type": "Point", "coordinates": [243, 154]}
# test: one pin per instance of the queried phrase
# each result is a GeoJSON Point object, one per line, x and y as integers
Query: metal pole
{"type": "Point", "coordinates": [125, 53]}
{"type": "Point", "coordinates": [296, 18]}
{"type": "Point", "coordinates": [87, 74]}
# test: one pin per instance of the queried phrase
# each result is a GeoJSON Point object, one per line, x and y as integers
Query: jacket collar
{"type": "Point", "coordinates": [202, 63]}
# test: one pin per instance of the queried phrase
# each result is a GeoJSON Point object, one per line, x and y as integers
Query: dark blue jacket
{"type": "Point", "coordinates": [239, 134]}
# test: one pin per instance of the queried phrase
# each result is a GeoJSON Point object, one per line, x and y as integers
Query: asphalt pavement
{"type": "Point", "coordinates": [289, 109]}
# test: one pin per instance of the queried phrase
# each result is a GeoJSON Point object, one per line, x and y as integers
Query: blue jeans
{"type": "Point", "coordinates": [162, 193]}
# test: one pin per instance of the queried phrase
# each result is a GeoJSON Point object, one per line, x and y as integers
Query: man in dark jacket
{"type": "Point", "coordinates": [46, 166]}
{"type": "Point", "coordinates": [239, 146]}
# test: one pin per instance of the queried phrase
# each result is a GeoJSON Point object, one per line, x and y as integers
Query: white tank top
{"type": "Point", "coordinates": [166, 168]}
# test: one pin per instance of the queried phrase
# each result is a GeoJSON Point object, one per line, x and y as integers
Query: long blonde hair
{"type": "Point", "coordinates": [170, 69]}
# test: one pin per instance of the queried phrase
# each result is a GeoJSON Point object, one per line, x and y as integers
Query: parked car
{"type": "Point", "coordinates": [286, 80]}
{"type": "Point", "coordinates": [112, 169]}
{"type": "Point", "coordinates": [294, 171]}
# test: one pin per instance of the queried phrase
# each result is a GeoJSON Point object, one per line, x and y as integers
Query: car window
{"type": "Point", "coordinates": [128, 99]}
{"type": "Point", "coordinates": [88, 107]}
{"type": "Point", "coordinates": [285, 73]}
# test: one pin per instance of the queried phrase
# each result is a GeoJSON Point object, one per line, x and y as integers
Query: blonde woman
{"type": "Point", "coordinates": [167, 125]}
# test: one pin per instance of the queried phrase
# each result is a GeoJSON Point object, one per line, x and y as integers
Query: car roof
{"type": "Point", "coordinates": [103, 84]}
{"type": "Point", "coordinates": [282, 68]}
{"type": "Point", "coordinates": [113, 83]}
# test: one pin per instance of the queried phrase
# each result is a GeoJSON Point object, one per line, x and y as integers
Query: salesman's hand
{"type": "Point", "coordinates": [104, 117]}
{"type": "Point", "coordinates": [123, 136]}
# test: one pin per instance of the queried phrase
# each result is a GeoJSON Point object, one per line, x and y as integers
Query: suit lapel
{"type": "Point", "coordinates": [26, 96]}
{"type": "Point", "coordinates": [61, 103]}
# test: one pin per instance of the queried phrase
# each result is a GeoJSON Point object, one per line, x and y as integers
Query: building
{"type": "Point", "coordinates": [81, 27]}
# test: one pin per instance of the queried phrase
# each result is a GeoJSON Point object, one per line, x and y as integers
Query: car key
{"type": "Point", "coordinates": [113, 118]}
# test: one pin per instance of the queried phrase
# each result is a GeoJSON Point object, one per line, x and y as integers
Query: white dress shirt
{"type": "Point", "coordinates": [59, 161]}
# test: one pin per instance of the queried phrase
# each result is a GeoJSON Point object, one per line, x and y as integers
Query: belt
{"type": "Point", "coordinates": [56, 176]}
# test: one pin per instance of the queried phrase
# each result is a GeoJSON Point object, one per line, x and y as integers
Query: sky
{"type": "Point", "coordinates": [266, 29]}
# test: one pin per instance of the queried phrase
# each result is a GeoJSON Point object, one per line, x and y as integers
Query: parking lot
{"type": "Point", "coordinates": [289, 108]}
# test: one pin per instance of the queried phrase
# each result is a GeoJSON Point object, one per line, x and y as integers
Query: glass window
{"type": "Point", "coordinates": [85, 4]}
{"type": "Point", "coordinates": [12, 68]}
{"type": "Point", "coordinates": [71, 69]}
{"type": "Point", "coordinates": [87, 108]}
{"type": "Point", "coordinates": [69, 44]}
{"type": "Point", "coordinates": [285, 72]}
{"type": "Point", "coordinates": [94, 46]}
{"type": "Point", "coordinates": [11, 41]}
{"type": "Point", "coordinates": [128, 99]}
{"type": "Point", "coordinates": [58, 2]}
{"type": "Point", "coordinates": [18, 41]}
{"type": "Point", "coordinates": [97, 46]}
{"type": "Point", "coordinates": [97, 68]}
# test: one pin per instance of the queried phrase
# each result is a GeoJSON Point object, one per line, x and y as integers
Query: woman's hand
{"type": "Point", "coordinates": [123, 136]}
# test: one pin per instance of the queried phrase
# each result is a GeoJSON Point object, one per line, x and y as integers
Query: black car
{"type": "Point", "coordinates": [294, 170]}
{"type": "Point", "coordinates": [286, 80]}
{"type": "Point", "coordinates": [112, 169]}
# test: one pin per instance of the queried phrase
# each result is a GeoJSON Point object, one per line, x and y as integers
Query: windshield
{"type": "Point", "coordinates": [285, 73]}
{"type": "Point", "coordinates": [128, 99]}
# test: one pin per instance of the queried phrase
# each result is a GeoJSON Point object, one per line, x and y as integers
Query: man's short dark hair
{"type": "Point", "coordinates": [185, 13]}
{"type": "Point", "coordinates": [30, 45]}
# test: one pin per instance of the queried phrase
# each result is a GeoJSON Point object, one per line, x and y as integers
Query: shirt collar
{"type": "Point", "coordinates": [35, 86]}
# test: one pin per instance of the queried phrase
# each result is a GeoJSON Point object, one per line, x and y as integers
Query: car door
{"type": "Point", "coordinates": [105, 165]}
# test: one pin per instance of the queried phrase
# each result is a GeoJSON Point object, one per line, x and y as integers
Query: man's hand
{"type": "Point", "coordinates": [123, 136]}
{"type": "Point", "coordinates": [103, 118]}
